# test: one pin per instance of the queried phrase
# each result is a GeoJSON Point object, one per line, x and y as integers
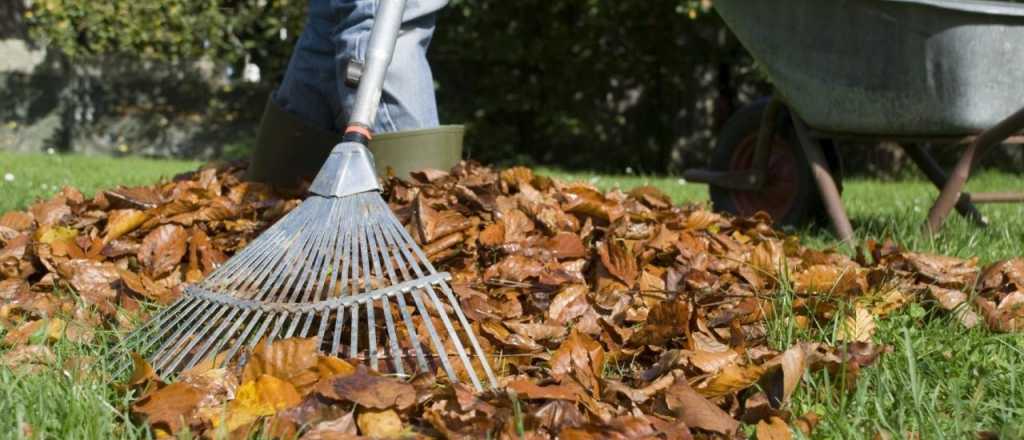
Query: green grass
{"type": "Point", "coordinates": [66, 403]}
{"type": "Point", "coordinates": [941, 380]}
{"type": "Point", "coordinates": [38, 176]}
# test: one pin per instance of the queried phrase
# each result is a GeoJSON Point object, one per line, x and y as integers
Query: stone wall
{"type": "Point", "coordinates": [117, 106]}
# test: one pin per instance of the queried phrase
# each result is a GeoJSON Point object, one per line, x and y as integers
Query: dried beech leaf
{"type": "Point", "coordinates": [731, 379]}
{"type": "Point", "coordinates": [369, 390]}
{"type": "Point", "coordinates": [697, 411]}
{"type": "Point", "coordinates": [858, 327]}
{"type": "Point", "coordinates": [170, 408]}
{"type": "Point", "coordinates": [123, 221]}
{"type": "Point", "coordinates": [618, 258]}
{"type": "Point", "coordinates": [773, 429]}
{"type": "Point", "coordinates": [162, 249]}
{"type": "Point", "coordinates": [264, 396]}
{"type": "Point", "coordinates": [379, 424]}
{"type": "Point", "coordinates": [581, 357]}
{"type": "Point", "coordinates": [529, 390]}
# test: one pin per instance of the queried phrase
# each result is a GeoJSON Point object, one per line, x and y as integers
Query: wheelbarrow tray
{"type": "Point", "coordinates": [888, 67]}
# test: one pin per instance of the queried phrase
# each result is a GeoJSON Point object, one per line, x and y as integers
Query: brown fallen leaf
{"type": "Point", "coordinates": [142, 372]}
{"type": "Point", "coordinates": [121, 222]}
{"type": "Point", "coordinates": [731, 379]}
{"type": "Point", "coordinates": [773, 429]}
{"type": "Point", "coordinates": [529, 390]}
{"type": "Point", "coordinates": [169, 409]}
{"type": "Point", "coordinates": [618, 258]}
{"type": "Point", "coordinates": [294, 360]}
{"type": "Point", "coordinates": [162, 249]}
{"type": "Point", "coordinates": [581, 357]}
{"type": "Point", "coordinates": [27, 358]}
{"type": "Point", "coordinates": [697, 411]}
{"type": "Point", "coordinates": [783, 374]}
{"type": "Point", "coordinates": [17, 221]}
{"type": "Point", "coordinates": [343, 427]}
{"type": "Point", "coordinates": [369, 390]}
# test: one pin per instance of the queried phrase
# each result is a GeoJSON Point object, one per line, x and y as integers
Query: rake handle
{"type": "Point", "coordinates": [381, 49]}
{"type": "Point", "coordinates": [349, 169]}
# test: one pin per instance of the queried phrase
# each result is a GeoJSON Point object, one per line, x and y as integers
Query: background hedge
{"type": "Point", "coordinates": [601, 84]}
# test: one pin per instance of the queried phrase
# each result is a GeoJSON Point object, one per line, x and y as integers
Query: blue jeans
{"type": "Point", "coordinates": [314, 84]}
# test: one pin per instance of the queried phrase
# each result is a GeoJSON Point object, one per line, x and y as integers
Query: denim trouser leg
{"type": "Point", "coordinates": [336, 30]}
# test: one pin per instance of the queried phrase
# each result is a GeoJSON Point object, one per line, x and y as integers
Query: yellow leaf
{"type": "Point", "coordinates": [264, 396]}
{"type": "Point", "coordinates": [330, 366]}
{"type": "Point", "coordinates": [379, 424]}
{"type": "Point", "coordinates": [52, 234]}
{"type": "Point", "coordinates": [123, 221]}
{"type": "Point", "coordinates": [858, 327]}
{"type": "Point", "coordinates": [730, 379]}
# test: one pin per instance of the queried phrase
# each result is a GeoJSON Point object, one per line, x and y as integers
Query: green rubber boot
{"type": "Point", "coordinates": [288, 149]}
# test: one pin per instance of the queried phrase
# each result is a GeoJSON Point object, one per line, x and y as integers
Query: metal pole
{"type": "Point", "coordinates": [951, 191]}
{"type": "Point", "coordinates": [931, 169]}
{"type": "Point", "coordinates": [386, 25]}
{"type": "Point", "coordinates": [826, 186]}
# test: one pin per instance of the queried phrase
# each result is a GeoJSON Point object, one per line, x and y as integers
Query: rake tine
{"type": "Point", "coordinates": [281, 318]}
{"type": "Point", "coordinates": [153, 323]}
{"type": "Point", "coordinates": [303, 285]}
{"type": "Point", "coordinates": [255, 337]}
{"type": "Point", "coordinates": [229, 276]}
{"type": "Point", "coordinates": [460, 351]}
{"type": "Point", "coordinates": [371, 325]}
{"type": "Point", "coordinates": [216, 341]}
{"type": "Point", "coordinates": [471, 336]}
{"type": "Point", "coordinates": [240, 342]}
{"type": "Point", "coordinates": [376, 250]}
{"type": "Point", "coordinates": [178, 336]}
{"type": "Point", "coordinates": [346, 252]}
{"type": "Point", "coordinates": [454, 336]}
{"type": "Point", "coordinates": [197, 336]}
{"type": "Point", "coordinates": [322, 268]}
{"type": "Point", "coordinates": [167, 318]}
{"type": "Point", "coordinates": [340, 322]}
{"type": "Point", "coordinates": [427, 321]}
{"type": "Point", "coordinates": [406, 316]}
{"type": "Point", "coordinates": [382, 254]}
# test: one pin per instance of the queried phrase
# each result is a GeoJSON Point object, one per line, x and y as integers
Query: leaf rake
{"type": "Point", "coordinates": [330, 268]}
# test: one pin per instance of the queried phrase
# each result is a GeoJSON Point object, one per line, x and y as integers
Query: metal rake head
{"type": "Point", "coordinates": [333, 268]}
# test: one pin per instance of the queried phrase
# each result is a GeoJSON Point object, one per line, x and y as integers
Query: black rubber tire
{"type": "Point", "coordinates": [804, 205]}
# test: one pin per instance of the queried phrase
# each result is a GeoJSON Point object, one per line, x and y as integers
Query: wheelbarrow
{"type": "Point", "coordinates": [915, 72]}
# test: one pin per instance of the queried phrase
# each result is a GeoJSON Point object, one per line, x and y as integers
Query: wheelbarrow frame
{"type": "Point", "coordinates": [951, 186]}
{"type": "Point", "coordinates": [842, 100]}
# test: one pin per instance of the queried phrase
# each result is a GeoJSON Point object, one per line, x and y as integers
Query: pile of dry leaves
{"type": "Point", "coordinates": [608, 315]}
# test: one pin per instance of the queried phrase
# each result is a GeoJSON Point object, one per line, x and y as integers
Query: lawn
{"type": "Point", "coordinates": [940, 380]}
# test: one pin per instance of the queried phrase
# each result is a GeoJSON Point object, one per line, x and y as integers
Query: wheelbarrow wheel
{"type": "Point", "coordinates": [790, 194]}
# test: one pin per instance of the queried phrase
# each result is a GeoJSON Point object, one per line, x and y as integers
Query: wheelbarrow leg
{"type": "Point", "coordinates": [823, 177]}
{"type": "Point", "coordinates": [931, 169]}
{"type": "Point", "coordinates": [953, 188]}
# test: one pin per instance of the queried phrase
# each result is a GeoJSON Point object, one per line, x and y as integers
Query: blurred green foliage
{"type": "Point", "coordinates": [594, 83]}
{"type": "Point", "coordinates": [170, 30]}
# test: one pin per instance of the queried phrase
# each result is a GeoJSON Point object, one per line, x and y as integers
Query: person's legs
{"type": "Point", "coordinates": [309, 89]}
{"type": "Point", "coordinates": [308, 111]}
{"type": "Point", "coordinates": [408, 100]}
